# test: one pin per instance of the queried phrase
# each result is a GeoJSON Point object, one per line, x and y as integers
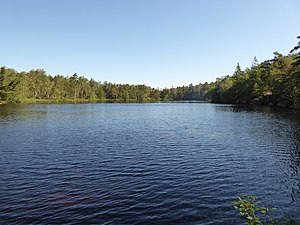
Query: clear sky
{"type": "Point", "coordinates": [161, 43]}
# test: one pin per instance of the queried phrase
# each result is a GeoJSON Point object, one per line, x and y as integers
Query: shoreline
{"type": "Point", "coordinates": [133, 101]}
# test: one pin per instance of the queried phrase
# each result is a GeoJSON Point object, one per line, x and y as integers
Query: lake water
{"type": "Point", "coordinates": [173, 163]}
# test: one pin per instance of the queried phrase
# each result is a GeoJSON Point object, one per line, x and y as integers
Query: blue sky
{"type": "Point", "coordinates": [161, 43]}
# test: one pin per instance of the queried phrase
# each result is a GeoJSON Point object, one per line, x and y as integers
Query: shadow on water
{"type": "Point", "coordinates": [282, 127]}
{"type": "Point", "coordinates": [268, 110]}
{"type": "Point", "coordinates": [19, 112]}
{"type": "Point", "coordinates": [187, 101]}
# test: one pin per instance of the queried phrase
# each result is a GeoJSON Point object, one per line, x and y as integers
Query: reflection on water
{"type": "Point", "coordinates": [145, 163]}
{"type": "Point", "coordinates": [281, 130]}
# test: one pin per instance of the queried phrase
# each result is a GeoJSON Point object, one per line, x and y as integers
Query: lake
{"type": "Point", "coordinates": [160, 163]}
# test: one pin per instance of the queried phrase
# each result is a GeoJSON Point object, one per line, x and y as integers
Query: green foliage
{"type": "Point", "coordinates": [296, 49]}
{"type": "Point", "coordinates": [273, 82]}
{"type": "Point", "coordinates": [250, 209]}
{"type": "Point", "coordinates": [191, 92]}
{"type": "Point", "coordinates": [36, 86]}
{"type": "Point", "coordinates": [254, 215]}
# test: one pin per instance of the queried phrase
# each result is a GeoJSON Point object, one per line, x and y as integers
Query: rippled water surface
{"type": "Point", "coordinates": [144, 163]}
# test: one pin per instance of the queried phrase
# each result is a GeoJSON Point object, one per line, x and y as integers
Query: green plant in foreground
{"type": "Point", "coordinates": [249, 209]}
{"type": "Point", "coordinates": [247, 205]}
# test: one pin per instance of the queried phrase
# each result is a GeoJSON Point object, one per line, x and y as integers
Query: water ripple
{"type": "Point", "coordinates": [144, 163]}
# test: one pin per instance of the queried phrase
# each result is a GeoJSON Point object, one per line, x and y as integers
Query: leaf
{"type": "Point", "coordinates": [252, 197]}
{"type": "Point", "coordinates": [263, 211]}
{"type": "Point", "coordinates": [249, 217]}
{"type": "Point", "coordinates": [256, 220]}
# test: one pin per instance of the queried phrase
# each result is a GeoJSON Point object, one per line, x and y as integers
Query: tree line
{"type": "Point", "coordinates": [272, 82]}
{"type": "Point", "coordinates": [37, 85]}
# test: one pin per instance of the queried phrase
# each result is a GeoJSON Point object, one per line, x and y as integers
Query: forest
{"type": "Point", "coordinates": [272, 82]}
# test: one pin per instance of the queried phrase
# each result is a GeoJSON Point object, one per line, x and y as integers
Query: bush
{"type": "Point", "coordinates": [250, 210]}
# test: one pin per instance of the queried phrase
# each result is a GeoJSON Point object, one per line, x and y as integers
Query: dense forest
{"type": "Point", "coordinates": [272, 82]}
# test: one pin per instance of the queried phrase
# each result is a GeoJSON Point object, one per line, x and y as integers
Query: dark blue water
{"type": "Point", "coordinates": [145, 163]}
